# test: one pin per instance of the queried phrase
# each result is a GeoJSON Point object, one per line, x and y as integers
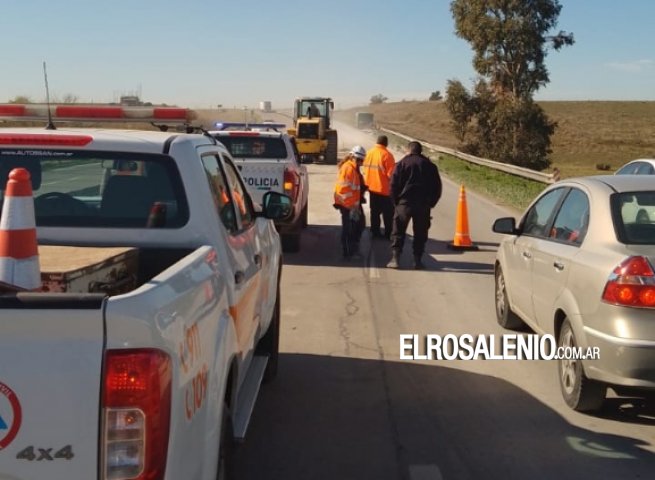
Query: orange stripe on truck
{"type": "Point", "coordinates": [242, 324]}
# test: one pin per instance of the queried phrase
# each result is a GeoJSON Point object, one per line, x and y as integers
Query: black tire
{"type": "Point", "coordinates": [225, 470]}
{"type": "Point", "coordinates": [332, 147]}
{"type": "Point", "coordinates": [269, 344]}
{"type": "Point", "coordinates": [579, 392]}
{"type": "Point", "coordinates": [291, 242]}
{"type": "Point", "coordinates": [304, 216]}
{"type": "Point", "coordinates": [504, 315]}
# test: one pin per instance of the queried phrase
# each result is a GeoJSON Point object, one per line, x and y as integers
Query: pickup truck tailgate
{"type": "Point", "coordinates": [50, 379]}
{"type": "Point", "coordinates": [261, 176]}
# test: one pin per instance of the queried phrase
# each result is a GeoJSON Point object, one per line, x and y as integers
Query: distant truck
{"type": "Point", "coordinates": [156, 379]}
{"type": "Point", "coordinates": [265, 106]}
{"type": "Point", "coordinates": [364, 120]}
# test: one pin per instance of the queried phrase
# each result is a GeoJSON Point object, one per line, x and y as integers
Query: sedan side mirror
{"type": "Point", "coordinates": [506, 225]}
{"type": "Point", "coordinates": [276, 206]}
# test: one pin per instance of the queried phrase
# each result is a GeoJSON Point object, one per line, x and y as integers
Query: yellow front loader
{"type": "Point", "coordinates": [315, 139]}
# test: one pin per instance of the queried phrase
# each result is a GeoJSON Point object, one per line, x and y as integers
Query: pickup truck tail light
{"type": "Point", "coordinates": [291, 183]}
{"type": "Point", "coordinates": [136, 408]}
{"type": "Point", "coordinates": [631, 284]}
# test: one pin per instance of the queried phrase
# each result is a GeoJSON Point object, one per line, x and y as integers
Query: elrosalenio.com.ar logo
{"type": "Point", "coordinates": [490, 347]}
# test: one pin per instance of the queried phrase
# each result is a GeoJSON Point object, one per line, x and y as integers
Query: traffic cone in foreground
{"type": "Point", "coordinates": [462, 240]}
{"type": "Point", "coordinates": [19, 252]}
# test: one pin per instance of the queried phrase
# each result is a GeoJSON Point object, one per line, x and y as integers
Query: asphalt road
{"type": "Point", "coordinates": [344, 405]}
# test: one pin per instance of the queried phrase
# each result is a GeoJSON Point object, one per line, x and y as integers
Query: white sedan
{"type": "Point", "coordinates": [580, 266]}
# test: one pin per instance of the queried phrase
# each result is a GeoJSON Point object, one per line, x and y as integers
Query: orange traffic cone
{"type": "Point", "coordinates": [19, 252]}
{"type": "Point", "coordinates": [462, 240]}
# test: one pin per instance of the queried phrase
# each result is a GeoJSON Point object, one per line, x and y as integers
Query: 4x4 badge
{"type": "Point", "coordinates": [10, 415]}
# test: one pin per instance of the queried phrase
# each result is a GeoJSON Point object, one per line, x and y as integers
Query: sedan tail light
{"type": "Point", "coordinates": [291, 183]}
{"type": "Point", "coordinates": [136, 407]}
{"type": "Point", "coordinates": [631, 284]}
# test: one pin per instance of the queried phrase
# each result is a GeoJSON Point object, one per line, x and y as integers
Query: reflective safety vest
{"type": "Point", "coordinates": [378, 168]}
{"type": "Point", "coordinates": [347, 190]}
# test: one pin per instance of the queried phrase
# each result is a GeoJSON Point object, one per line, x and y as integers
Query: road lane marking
{"type": "Point", "coordinates": [425, 472]}
{"type": "Point", "coordinates": [373, 270]}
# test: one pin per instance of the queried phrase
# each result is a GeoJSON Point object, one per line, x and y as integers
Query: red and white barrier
{"type": "Point", "coordinates": [19, 253]}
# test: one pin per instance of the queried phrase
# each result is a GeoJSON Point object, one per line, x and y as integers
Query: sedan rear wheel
{"type": "Point", "coordinates": [504, 314]}
{"type": "Point", "coordinates": [579, 392]}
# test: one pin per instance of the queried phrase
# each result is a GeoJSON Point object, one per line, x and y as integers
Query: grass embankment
{"type": "Point", "coordinates": [504, 188]}
{"type": "Point", "coordinates": [588, 135]}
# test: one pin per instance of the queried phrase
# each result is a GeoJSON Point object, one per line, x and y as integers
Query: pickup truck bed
{"type": "Point", "coordinates": [110, 270]}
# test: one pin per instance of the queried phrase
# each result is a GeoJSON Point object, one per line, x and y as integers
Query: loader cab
{"type": "Point", "coordinates": [313, 109]}
{"type": "Point", "coordinates": [312, 129]}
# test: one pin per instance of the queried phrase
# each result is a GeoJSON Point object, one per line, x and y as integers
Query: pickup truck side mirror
{"type": "Point", "coordinates": [276, 206]}
{"type": "Point", "coordinates": [506, 225]}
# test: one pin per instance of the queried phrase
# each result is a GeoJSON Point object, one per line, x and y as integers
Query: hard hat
{"type": "Point", "coordinates": [358, 152]}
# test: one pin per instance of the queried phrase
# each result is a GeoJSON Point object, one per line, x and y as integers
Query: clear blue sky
{"type": "Point", "coordinates": [237, 53]}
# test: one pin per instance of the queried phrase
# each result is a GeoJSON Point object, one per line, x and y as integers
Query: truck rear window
{"type": "Point", "coordinates": [100, 189]}
{"type": "Point", "coordinates": [254, 146]}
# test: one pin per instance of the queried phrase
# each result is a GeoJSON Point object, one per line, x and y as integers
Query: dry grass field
{"type": "Point", "coordinates": [588, 133]}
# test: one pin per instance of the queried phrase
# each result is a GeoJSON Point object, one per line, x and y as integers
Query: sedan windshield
{"type": "Point", "coordinates": [634, 217]}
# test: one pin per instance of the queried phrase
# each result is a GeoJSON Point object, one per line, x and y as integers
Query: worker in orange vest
{"type": "Point", "coordinates": [377, 170]}
{"type": "Point", "coordinates": [348, 200]}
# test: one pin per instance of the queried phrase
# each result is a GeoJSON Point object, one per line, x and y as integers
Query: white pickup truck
{"type": "Point", "coordinates": [152, 379]}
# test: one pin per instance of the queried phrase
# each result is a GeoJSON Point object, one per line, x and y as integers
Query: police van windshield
{"type": "Point", "coordinates": [253, 147]}
{"type": "Point", "coordinates": [100, 189]}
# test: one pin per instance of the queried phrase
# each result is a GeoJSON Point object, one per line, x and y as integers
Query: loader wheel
{"type": "Point", "coordinates": [332, 147]}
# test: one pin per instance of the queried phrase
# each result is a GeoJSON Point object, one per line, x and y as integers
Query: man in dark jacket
{"type": "Point", "coordinates": [415, 190]}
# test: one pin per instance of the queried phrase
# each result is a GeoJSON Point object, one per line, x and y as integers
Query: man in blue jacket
{"type": "Point", "coordinates": [415, 190]}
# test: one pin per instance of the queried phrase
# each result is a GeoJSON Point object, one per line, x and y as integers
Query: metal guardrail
{"type": "Point", "coordinates": [504, 167]}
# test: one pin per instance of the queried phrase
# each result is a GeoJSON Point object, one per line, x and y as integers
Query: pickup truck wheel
{"type": "Point", "coordinates": [291, 242]}
{"type": "Point", "coordinates": [225, 469]}
{"type": "Point", "coordinates": [579, 392]}
{"type": "Point", "coordinates": [269, 344]}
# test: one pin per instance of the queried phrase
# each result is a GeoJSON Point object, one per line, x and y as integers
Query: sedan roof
{"type": "Point", "coordinates": [618, 183]}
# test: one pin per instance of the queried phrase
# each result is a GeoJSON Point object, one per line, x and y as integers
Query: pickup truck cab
{"type": "Point", "coordinates": [269, 161]}
{"type": "Point", "coordinates": [155, 381]}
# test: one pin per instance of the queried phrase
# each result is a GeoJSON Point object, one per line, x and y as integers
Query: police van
{"type": "Point", "coordinates": [268, 160]}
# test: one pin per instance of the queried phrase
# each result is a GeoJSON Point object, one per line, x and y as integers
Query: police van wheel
{"type": "Point", "coordinates": [304, 216]}
{"type": "Point", "coordinates": [291, 243]}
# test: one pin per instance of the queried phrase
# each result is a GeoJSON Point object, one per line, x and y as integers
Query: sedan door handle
{"type": "Point", "coordinates": [239, 276]}
{"type": "Point", "coordinates": [527, 255]}
{"type": "Point", "coordinates": [559, 266]}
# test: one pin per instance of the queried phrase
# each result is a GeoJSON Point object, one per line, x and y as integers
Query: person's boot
{"type": "Point", "coordinates": [393, 263]}
{"type": "Point", "coordinates": [418, 264]}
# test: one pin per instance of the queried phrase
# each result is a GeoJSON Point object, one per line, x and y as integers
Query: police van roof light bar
{"type": "Point", "coordinates": [249, 126]}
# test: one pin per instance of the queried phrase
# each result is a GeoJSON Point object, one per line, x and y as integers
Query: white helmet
{"type": "Point", "coordinates": [358, 152]}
